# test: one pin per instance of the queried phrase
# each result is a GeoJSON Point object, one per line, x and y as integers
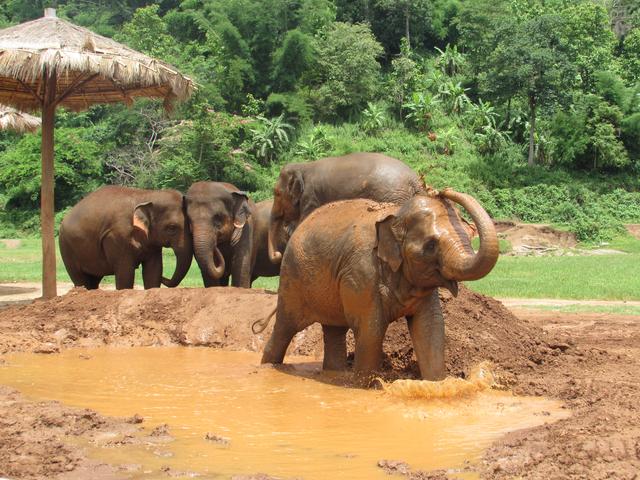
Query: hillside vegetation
{"type": "Point", "coordinates": [532, 106]}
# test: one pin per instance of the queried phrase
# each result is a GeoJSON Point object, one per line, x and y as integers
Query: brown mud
{"type": "Point", "coordinates": [590, 361]}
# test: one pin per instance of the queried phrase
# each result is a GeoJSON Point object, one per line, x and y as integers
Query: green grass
{"type": "Point", "coordinates": [23, 264]}
{"type": "Point", "coordinates": [577, 308]}
{"type": "Point", "coordinates": [606, 277]}
{"type": "Point", "coordinates": [598, 277]}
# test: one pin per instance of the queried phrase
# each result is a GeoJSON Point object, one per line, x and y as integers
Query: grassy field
{"type": "Point", "coordinates": [598, 277]}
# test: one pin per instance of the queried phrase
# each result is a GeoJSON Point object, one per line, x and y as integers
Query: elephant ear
{"type": "Point", "coordinates": [241, 213]}
{"type": "Point", "coordinates": [389, 238]}
{"type": "Point", "coordinates": [295, 186]}
{"type": "Point", "coordinates": [141, 223]}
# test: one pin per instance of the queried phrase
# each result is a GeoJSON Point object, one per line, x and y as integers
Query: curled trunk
{"type": "Point", "coordinates": [461, 264]}
{"type": "Point", "coordinates": [208, 256]}
{"type": "Point", "coordinates": [184, 255]}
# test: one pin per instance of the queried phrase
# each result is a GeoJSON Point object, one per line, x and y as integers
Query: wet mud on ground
{"type": "Point", "coordinates": [590, 361]}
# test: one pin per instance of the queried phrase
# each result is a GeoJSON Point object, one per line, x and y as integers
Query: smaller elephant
{"type": "Point", "coordinates": [115, 229]}
{"type": "Point", "coordinates": [358, 264]}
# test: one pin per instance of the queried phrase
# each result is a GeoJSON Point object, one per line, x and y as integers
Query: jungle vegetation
{"type": "Point", "coordinates": [532, 106]}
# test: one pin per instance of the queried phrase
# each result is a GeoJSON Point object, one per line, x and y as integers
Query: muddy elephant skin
{"type": "Point", "coordinates": [115, 229]}
{"type": "Point", "coordinates": [360, 264]}
{"type": "Point", "coordinates": [303, 187]}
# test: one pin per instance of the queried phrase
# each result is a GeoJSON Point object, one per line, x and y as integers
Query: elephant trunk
{"type": "Point", "coordinates": [184, 255]}
{"type": "Point", "coordinates": [275, 225]}
{"type": "Point", "coordinates": [206, 250]}
{"type": "Point", "coordinates": [462, 264]}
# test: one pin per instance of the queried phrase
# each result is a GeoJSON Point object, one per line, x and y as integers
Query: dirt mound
{"type": "Point", "coordinates": [634, 229]}
{"type": "Point", "coordinates": [478, 328]}
{"type": "Point", "coordinates": [531, 238]}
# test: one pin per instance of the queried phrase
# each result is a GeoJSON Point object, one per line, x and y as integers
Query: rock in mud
{"type": "Point", "coordinates": [219, 439]}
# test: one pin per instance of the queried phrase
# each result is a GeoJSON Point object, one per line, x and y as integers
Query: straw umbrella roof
{"type": "Point", "coordinates": [90, 68]}
{"type": "Point", "coordinates": [12, 119]}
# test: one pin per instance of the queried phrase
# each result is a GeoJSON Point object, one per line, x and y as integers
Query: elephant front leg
{"type": "Point", "coordinates": [335, 348]}
{"type": "Point", "coordinates": [152, 271]}
{"type": "Point", "coordinates": [426, 328]}
{"type": "Point", "coordinates": [125, 276]}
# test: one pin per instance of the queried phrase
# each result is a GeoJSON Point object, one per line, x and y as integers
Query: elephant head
{"type": "Point", "coordinates": [429, 241]}
{"type": "Point", "coordinates": [162, 222]}
{"type": "Point", "coordinates": [217, 213]}
{"type": "Point", "coordinates": [285, 213]}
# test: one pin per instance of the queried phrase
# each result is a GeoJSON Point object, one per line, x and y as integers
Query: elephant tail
{"type": "Point", "coordinates": [259, 325]}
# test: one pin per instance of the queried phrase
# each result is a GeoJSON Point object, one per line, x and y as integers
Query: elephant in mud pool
{"type": "Point", "coordinates": [115, 229]}
{"type": "Point", "coordinates": [360, 264]}
{"type": "Point", "coordinates": [229, 234]}
{"type": "Point", "coordinates": [303, 187]}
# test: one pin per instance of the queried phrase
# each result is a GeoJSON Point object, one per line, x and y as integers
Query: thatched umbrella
{"type": "Point", "coordinates": [48, 63]}
{"type": "Point", "coordinates": [12, 119]}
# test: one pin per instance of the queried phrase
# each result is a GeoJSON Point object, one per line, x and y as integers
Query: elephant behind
{"type": "Point", "coordinates": [359, 264]}
{"type": "Point", "coordinates": [303, 187]}
{"type": "Point", "coordinates": [230, 234]}
{"type": "Point", "coordinates": [115, 229]}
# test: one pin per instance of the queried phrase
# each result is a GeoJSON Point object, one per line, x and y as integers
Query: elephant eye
{"type": "Point", "coordinates": [430, 246]}
{"type": "Point", "coordinates": [172, 228]}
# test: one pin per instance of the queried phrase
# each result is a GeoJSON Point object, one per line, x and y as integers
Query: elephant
{"type": "Point", "coordinates": [358, 264]}
{"type": "Point", "coordinates": [115, 229]}
{"type": "Point", "coordinates": [220, 220]}
{"type": "Point", "coordinates": [303, 187]}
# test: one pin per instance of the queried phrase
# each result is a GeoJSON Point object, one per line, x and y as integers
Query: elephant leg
{"type": "Point", "coordinates": [92, 282]}
{"type": "Point", "coordinates": [369, 337]}
{"type": "Point", "coordinates": [283, 332]}
{"type": "Point", "coordinates": [152, 271]}
{"type": "Point", "coordinates": [335, 347]}
{"type": "Point", "coordinates": [224, 281]}
{"type": "Point", "coordinates": [426, 328]}
{"type": "Point", "coordinates": [125, 276]}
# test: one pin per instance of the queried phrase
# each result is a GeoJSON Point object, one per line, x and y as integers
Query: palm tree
{"type": "Point", "coordinates": [269, 136]}
{"type": "Point", "coordinates": [451, 60]}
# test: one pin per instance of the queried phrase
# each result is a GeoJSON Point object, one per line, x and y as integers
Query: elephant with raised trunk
{"type": "Point", "coordinates": [360, 264]}
{"type": "Point", "coordinates": [115, 229]}
{"type": "Point", "coordinates": [303, 187]}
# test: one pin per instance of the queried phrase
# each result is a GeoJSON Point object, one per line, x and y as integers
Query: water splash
{"type": "Point", "coordinates": [481, 378]}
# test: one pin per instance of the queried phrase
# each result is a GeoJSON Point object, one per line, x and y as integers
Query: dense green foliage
{"type": "Point", "coordinates": [533, 106]}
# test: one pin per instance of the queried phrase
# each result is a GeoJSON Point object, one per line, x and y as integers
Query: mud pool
{"type": "Point", "coordinates": [283, 422]}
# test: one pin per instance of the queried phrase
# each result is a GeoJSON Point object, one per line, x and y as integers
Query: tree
{"type": "Point", "coordinates": [630, 57]}
{"type": "Point", "coordinates": [590, 41]}
{"type": "Point", "coordinates": [291, 61]}
{"type": "Point", "coordinates": [531, 59]}
{"type": "Point", "coordinates": [346, 73]}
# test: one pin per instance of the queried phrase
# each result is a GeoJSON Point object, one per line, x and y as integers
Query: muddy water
{"type": "Point", "coordinates": [284, 423]}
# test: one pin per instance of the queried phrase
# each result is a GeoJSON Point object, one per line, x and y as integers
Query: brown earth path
{"type": "Point", "coordinates": [589, 361]}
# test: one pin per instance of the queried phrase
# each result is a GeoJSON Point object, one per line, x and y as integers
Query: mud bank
{"type": "Point", "coordinates": [592, 366]}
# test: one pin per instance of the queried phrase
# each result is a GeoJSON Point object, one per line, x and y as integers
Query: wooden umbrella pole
{"type": "Point", "coordinates": [49, 289]}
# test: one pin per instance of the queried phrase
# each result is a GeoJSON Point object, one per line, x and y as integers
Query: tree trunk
{"type": "Point", "coordinates": [406, 26]}
{"type": "Point", "coordinates": [49, 289]}
{"type": "Point", "coordinates": [532, 130]}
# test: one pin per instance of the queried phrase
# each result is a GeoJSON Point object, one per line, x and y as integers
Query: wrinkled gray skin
{"type": "Point", "coordinates": [303, 187]}
{"type": "Point", "coordinates": [115, 229]}
{"type": "Point", "coordinates": [263, 267]}
{"type": "Point", "coordinates": [220, 218]}
{"type": "Point", "coordinates": [359, 265]}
